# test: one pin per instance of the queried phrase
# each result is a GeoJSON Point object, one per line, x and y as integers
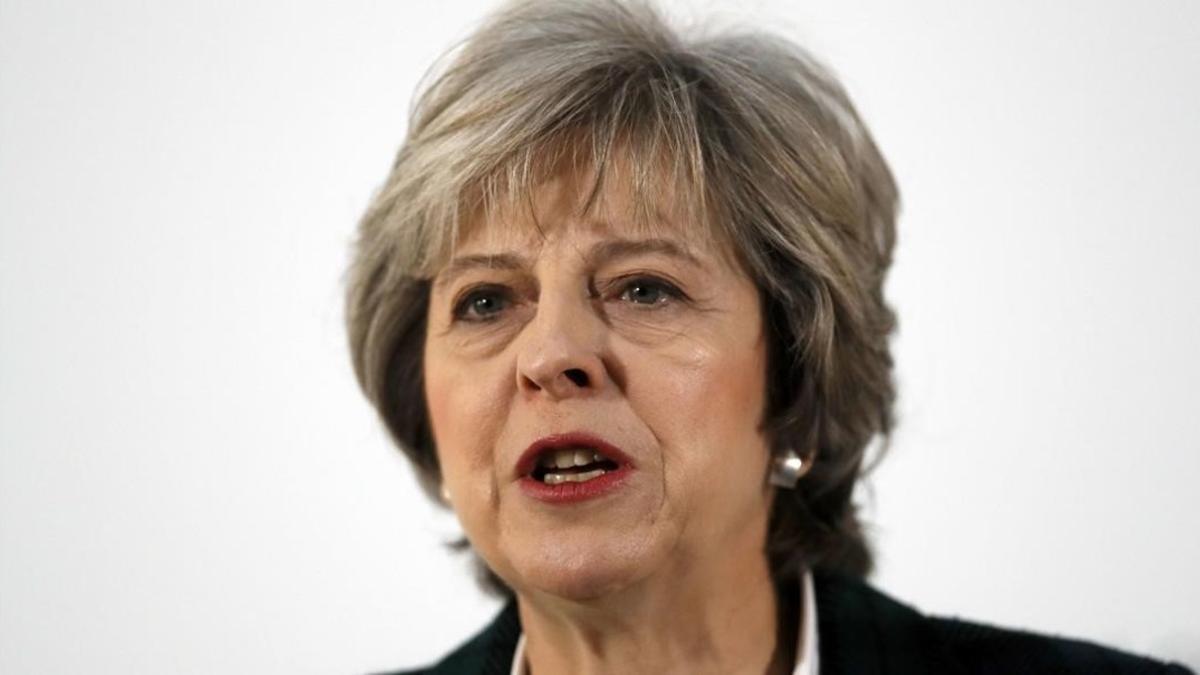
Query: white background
{"type": "Point", "coordinates": [190, 481]}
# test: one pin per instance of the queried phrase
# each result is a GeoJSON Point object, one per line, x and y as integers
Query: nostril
{"type": "Point", "coordinates": [577, 376]}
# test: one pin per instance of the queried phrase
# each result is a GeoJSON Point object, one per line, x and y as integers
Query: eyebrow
{"type": "Point", "coordinates": [614, 249]}
{"type": "Point", "coordinates": [495, 261]}
{"type": "Point", "coordinates": [602, 252]}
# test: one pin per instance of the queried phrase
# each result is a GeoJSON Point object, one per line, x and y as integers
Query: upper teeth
{"type": "Point", "coordinates": [569, 457]}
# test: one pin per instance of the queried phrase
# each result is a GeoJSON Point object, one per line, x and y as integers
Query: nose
{"type": "Point", "coordinates": [562, 354]}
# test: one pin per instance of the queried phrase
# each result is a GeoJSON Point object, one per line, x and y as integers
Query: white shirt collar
{"type": "Point", "coordinates": [806, 646]}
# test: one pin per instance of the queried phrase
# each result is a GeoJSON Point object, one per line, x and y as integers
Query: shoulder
{"type": "Point", "coordinates": [990, 649]}
{"type": "Point", "coordinates": [488, 651]}
{"type": "Point", "coordinates": [856, 619]}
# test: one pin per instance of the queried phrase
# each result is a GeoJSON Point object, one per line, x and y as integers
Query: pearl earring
{"type": "Point", "coordinates": [788, 468]}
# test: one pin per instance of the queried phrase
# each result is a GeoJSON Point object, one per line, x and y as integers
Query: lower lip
{"type": "Point", "coordinates": [572, 493]}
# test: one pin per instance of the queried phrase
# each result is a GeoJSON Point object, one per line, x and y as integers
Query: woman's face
{"type": "Point", "coordinates": [584, 334]}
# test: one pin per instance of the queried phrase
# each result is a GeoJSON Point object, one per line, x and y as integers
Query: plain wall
{"type": "Point", "coordinates": [190, 481]}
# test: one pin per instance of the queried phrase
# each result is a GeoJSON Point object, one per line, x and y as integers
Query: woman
{"type": "Point", "coordinates": [620, 301]}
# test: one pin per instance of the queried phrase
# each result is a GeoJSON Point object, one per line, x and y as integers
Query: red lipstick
{"type": "Point", "coordinates": [570, 491]}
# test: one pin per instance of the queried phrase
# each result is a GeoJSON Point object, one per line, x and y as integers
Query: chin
{"type": "Point", "coordinates": [585, 566]}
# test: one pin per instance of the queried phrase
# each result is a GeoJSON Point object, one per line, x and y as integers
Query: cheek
{"type": "Point", "coordinates": [465, 411]}
{"type": "Point", "coordinates": [706, 406]}
{"type": "Point", "coordinates": [731, 398]}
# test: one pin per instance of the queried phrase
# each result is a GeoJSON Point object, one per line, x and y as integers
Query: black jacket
{"type": "Point", "coordinates": [864, 632]}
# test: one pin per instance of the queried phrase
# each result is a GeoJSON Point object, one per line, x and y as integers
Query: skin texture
{"type": "Point", "coordinates": [547, 321]}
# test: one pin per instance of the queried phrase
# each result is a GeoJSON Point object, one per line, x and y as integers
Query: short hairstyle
{"type": "Point", "coordinates": [759, 142]}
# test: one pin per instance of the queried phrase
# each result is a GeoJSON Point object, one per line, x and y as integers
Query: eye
{"type": "Point", "coordinates": [482, 304]}
{"type": "Point", "coordinates": [649, 291]}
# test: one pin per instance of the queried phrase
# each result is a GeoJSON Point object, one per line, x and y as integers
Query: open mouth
{"type": "Point", "coordinates": [571, 465]}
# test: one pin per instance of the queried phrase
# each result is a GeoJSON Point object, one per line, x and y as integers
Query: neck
{"type": "Point", "coordinates": [721, 617]}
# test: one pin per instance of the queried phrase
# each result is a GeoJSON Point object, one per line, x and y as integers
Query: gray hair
{"type": "Point", "coordinates": [761, 146]}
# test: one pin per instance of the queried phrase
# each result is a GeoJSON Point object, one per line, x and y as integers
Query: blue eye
{"type": "Point", "coordinates": [481, 304]}
{"type": "Point", "coordinates": [648, 291]}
